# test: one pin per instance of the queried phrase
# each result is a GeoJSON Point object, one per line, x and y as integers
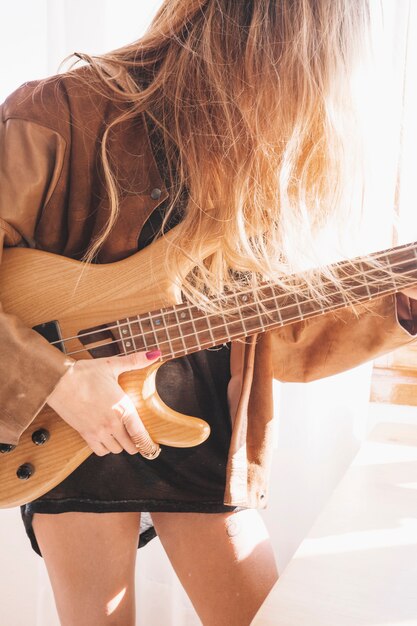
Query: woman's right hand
{"type": "Point", "coordinates": [89, 398]}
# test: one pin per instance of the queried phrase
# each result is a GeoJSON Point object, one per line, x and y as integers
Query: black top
{"type": "Point", "coordinates": [180, 479]}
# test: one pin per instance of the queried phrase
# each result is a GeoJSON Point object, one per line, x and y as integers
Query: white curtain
{"type": "Point", "coordinates": [320, 425]}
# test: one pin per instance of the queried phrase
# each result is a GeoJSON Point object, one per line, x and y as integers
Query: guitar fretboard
{"type": "Point", "coordinates": [183, 328]}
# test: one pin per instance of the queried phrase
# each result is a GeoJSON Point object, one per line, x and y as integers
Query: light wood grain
{"type": "Point", "coordinates": [394, 377]}
{"type": "Point", "coordinates": [394, 386]}
{"type": "Point", "coordinates": [39, 287]}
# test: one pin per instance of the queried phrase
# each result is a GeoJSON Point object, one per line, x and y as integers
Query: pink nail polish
{"type": "Point", "coordinates": [153, 354]}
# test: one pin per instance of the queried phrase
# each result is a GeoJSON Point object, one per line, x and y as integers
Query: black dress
{"type": "Point", "coordinates": [180, 479]}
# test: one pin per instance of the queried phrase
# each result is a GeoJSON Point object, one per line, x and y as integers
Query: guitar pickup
{"type": "Point", "coordinates": [51, 332]}
{"type": "Point", "coordinates": [99, 341]}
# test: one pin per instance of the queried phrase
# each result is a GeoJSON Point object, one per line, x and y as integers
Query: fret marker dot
{"type": "Point", "coordinates": [183, 314]}
{"type": "Point", "coordinates": [124, 331]}
{"type": "Point", "coordinates": [128, 344]}
{"type": "Point", "coordinates": [157, 322]}
{"type": "Point", "coordinates": [244, 298]}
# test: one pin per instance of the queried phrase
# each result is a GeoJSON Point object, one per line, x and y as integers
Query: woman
{"type": "Point", "coordinates": [229, 120]}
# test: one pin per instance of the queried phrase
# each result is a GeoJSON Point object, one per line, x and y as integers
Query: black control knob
{"type": "Point", "coordinates": [25, 471]}
{"type": "Point", "coordinates": [40, 436]}
{"type": "Point", "coordinates": [6, 447]}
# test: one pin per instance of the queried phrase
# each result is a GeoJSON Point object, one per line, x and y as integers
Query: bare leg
{"type": "Point", "coordinates": [224, 561]}
{"type": "Point", "coordinates": [90, 558]}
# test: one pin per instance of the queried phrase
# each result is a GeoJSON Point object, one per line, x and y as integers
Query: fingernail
{"type": "Point", "coordinates": [153, 354]}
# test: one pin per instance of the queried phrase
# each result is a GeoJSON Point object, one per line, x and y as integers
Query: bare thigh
{"type": "Point", "coordinates": [224, 561]}
{"type": "Point", "coordinates": [90, 558]}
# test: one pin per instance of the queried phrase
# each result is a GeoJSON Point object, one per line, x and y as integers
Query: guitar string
{"type": "Point", "coordinates": [188, 306]}
{"type": "Point", "coordinates": [156, 315]}
{"type": "Point", "coordinates": [200, 345]}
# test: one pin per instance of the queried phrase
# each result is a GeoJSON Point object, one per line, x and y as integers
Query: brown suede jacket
{"type": "Point", "coordinates": [52, 197]}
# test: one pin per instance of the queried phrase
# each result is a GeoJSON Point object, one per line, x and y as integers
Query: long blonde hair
{"type": "Point", "coordinates": [254, 105]}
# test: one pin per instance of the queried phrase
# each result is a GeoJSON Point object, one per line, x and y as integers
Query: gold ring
{"type": "Point", "coordinates": [146, 447]}
{"type": "Point", "coordinates": [153, 454]}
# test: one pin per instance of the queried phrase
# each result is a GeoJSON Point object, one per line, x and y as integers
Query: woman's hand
{"type": "Point", "coordinates": [89, 398]}
{"type": "Point", "coordinates": [411, 292]}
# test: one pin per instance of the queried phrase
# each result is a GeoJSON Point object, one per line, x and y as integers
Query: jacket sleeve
{"type": "Point", "coordinates": [334, 342]}
{"type": "Point", "coordinates": [30, 163]}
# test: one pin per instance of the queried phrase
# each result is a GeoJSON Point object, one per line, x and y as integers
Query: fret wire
{"type": "Point", "coordinates": [323, 310]}
{"type": "Point", "coordinates": [134, 349]}
{"type": "Point", "coordinates": [171, 349]}
{"type": "Point", "coordinates": [200, 316]}
{"type": "Point", "coordinates": [121, 336]}
{"type": "Point", "coordinates": [277, 307]}
{"type": "Point", "coordinates": [209, 344]}
{"type": "Point", "coordinates": [260, 315]}
{"type": "Point", "coordinates": [366, 282]}
{"type": "Point", "coordinates": [170, 353]}
{"type": "Point", "coordinates": [131, 333]}
{"type": "Point", "coordinates": [299, 306]}
{"type": "Point", "coordinates": [130, 342]}
{"type": "Point", "coordinates": [194, 328]}
{"type": "Point", "coordinates": [210, 330]}
{"type": "Point", "coordinates": [154, 329]}
{"type": "Point", "coordinates": [179, 328]}
{"type": "Point", "coordinates": [145, 344]}
{"type": "Point", "coordinates": [342, 264]}
{"type": "Point", "coordinates": [242, 319]}
{"type": "Point", "coordinates": [392, 277]}
{"type": "Point", "coordinates": [147, 318]}
{"type": "Point", "coordinates": [376, 256]}
{"type": "Point", "coordinates": [289, 320]}
{"type": "Point", "coordinates": [225, 326]}
{"type": "Point", "coordinates": [204, 323]}
{"type": "Point", "coordinates": [267, 300]}
{"type": "Point", "coordinates": [190, 323]}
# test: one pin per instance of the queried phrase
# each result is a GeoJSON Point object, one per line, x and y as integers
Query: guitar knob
{"type": "Point", "coordinates": [40, 436]}
{"type": "Point", "coordinates": [6, 447]}
{"type": "Point", "coordinates": [25, 471]}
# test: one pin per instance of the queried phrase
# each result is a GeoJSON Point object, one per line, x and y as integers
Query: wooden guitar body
{"type": "Point", "coordinates": [40, 287]}
{"type": "Point", "coordinates": [130, 306]}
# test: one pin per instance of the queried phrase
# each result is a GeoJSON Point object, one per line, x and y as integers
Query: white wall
{"type": "Point", "coordinates": [36, 36]}
{"type": "Point", "coordinates": [23, 48]}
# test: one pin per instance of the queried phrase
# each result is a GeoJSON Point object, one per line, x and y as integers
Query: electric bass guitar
{"type": "Point", "coordinates": [90, 311]}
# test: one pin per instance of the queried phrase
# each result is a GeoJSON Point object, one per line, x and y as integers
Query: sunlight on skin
{"type": "Point", "coordinates": [411, 293]}
{"type": "Point", "coordinates": [404, 534]}
{"type": "Point", "coordinates": [114, 602]}
{"type": "Point", "coordinates": [242, 535]}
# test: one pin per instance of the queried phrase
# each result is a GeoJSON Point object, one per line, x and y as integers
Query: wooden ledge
{"type": "Point", "coordinates": [394, 386]}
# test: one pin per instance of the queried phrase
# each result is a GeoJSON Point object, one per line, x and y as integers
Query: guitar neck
{"type": "Point", "coordinates": [183, 328]}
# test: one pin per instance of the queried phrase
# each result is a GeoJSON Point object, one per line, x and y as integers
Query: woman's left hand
{"type": "Point", "coordinates": [411, 292]}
